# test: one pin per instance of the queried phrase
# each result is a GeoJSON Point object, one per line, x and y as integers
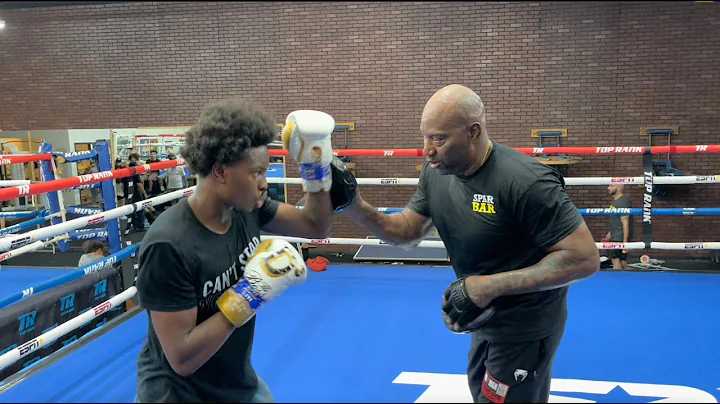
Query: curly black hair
{"type": "Point", "coordinates": [224, 132]}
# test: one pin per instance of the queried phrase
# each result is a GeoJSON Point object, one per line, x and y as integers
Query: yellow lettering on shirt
{"type": "Point", "coordinates": [483, 207]}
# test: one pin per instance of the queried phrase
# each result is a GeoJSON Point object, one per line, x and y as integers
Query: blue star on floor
{"type": "Point", "coordinates": [616, 395]}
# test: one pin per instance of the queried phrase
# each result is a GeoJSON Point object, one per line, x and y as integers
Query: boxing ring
{"type": "Point", "coordinates": [372, 333]}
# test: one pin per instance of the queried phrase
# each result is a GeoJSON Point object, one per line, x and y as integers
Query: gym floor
{"type": "Point", "coordinates": [374, 334]}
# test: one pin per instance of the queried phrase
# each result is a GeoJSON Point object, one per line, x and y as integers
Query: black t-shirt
{"type": "Point", "coordinates": [134, 184]}
{"type": "Point", "coordinates": [616, 227]}
{"type": "Point", "coordinates": [501, 219]}
{"type": "Point", "coordinates": [153, 187]}
{"type": "Point", "coordinates": [184, 265]}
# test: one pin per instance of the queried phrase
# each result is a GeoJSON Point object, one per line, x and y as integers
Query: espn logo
{"type": "Point", "coordinates": [96, 220]}
{"type": "Point", "coordinates": [613, 246]}
{"type": "Point", "coordinates": [320, 241]}
{"type": "Point", "coordinates": [29, 346]}
{"type": "Point", "coordinates": [102, 308]}
{"type": "Point", "coordinates": [20, 242]}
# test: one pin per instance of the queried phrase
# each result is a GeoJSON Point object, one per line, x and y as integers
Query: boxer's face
{"type": "Point", "coordinates": [245, 183]}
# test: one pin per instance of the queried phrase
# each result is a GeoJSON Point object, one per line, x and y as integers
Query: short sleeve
{"type": "Point", "coordinates": [546, 212]}
{"type": "Point", "coordinates": [165, 281]}
{"type": "Point", "coordinates": [418, 202]}
{"type": "Point", "coordinates": [267, 211]}
{"type": "Point", "coordinates": [624, 203]}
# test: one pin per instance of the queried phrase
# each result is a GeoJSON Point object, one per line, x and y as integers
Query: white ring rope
{"type": "Point", "coordinates": [10, 242]}
{"type": "Point", "coordinates": [439, 244]}
{"type": "Point", "coordinates": [14, 183]}
{"type": "Point", "coordinates": [660, 180]}
{"type": "Point", "coordinates": [51, 336]}
{"type": "Point", "coordinates": [32, 247]}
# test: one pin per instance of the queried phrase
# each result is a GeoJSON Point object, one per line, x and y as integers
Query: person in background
{"type": "Point", "coordinates": [621, 226]}
{"type": "Point", "coordinates": [121, 186]}
{"type": "Point", "coordinates": [136, 194]}
{"type": "Point", "coordinates": [154, 184]}
{"type": "Point", "coordinates": [175, 178]}
{"type": "Point", "coordinates": [93, 252]}
{"type": "Point", "coordinates": [94, 192]}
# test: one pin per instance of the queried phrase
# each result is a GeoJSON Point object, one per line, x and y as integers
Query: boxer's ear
{"type": "Point", "coordinates": [219, 172]}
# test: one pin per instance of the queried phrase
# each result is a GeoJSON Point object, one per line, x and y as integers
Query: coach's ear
{"type": "Point", "coordinates": [475, 130]}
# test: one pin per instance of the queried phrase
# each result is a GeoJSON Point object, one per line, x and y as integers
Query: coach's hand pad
{"type": "Point", "coordinates": [459, 309]}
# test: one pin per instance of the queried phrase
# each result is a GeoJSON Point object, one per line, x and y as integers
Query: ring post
{"type": "Point", "coordinates": [647, 197]}
{"type": "Point", "coordinates": [52, 197]}
{"type": "Point", "coordinates": [108, 192]}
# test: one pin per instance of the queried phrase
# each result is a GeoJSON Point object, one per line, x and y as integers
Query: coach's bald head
{"type": "Point", "coordinates": [453, 128]}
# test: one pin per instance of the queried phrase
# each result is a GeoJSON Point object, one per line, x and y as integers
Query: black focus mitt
{"type": "Point", "coordinates": [344, 184]}
{"type": "Point", "coordinates": [462, 310]}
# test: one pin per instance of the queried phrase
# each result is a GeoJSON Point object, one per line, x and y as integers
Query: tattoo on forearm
{"type": "Point", "coordinates": [557, 269]}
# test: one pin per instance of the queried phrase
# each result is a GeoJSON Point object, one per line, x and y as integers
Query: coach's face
{"type": "Point", "coordinates": [446, 140]}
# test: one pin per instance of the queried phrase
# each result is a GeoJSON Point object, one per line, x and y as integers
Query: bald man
{"type": "Point", "coordinates": [621, 227]}
{"type": "Point", "coordinates": [514, 238]}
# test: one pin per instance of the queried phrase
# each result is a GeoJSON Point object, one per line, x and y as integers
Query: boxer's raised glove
{"type": "Point", "coordinates": [462, 310]}
{"type": "Point", "coordinates": [274, 267]}
{"type": "Point", "coordinates": [306, 136]}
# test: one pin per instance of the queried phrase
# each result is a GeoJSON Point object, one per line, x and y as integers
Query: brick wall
{"type": "Point", "coordinates": [601, 70]}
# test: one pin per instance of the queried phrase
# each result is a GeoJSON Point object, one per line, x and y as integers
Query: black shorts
{"type": "Point", "coordinates": [615, 254]}
{"type": "Point", "coordinates": [512, 372]}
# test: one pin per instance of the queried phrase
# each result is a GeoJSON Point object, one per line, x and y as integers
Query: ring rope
{"type": "Point", "coordinates": [610, 211]}
{"type": "Point", "coordinates": [439, 244]}
{"type": "Point", "coordinates": [24, 158]}
{"type": "Point", "coordinates": [662, 180]}
{"type": "Point", "coordinates": [51, 336]}
{"type": "Point", "coordinates": [29, 223]}
{"type": "Point", "coordinates": [14, 183]}
{"type": "Point", "coordinates": [33, 246]}
{"type": "Point", "coordinates": [23, 214]}
{"type": "Point", "coordinates": [604, 150]}
{"type": "Point", "coordinates": [11, 242]}
{"type": "Point", "coordinates": [63, 184]}
{"type": "Point", "coordinates": [71, 276]}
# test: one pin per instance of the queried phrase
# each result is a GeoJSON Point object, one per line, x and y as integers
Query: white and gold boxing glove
{"type": "Point", "coordinates": [274, 267]}
{"type": "Point", "coordinates": [306, 136]}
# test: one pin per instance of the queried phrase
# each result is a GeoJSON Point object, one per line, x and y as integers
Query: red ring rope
{"type": "Point", "coordinates": [9, 193]}
{"type": "Point", "coordinates": [599, 150]}
{"type": "Point", "coordinates": [23, 158]}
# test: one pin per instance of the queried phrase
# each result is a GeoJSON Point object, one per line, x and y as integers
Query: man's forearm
{"type": "Point", "coordinates": [319, 211]}
{"type": "Point", "coordinates": [203, 341]}
{"type": "Point", "coordinates": [557, 269]}
{"type": "Point", "coordinates": [391, 228]}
